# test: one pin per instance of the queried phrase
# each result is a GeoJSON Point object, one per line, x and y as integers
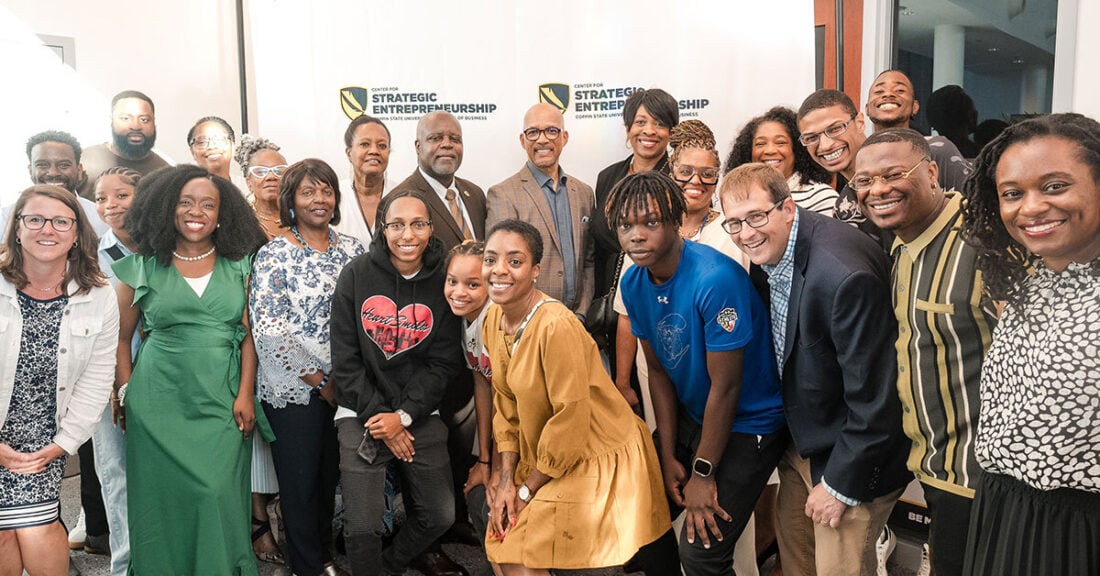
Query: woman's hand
{"type": "Point", "coordinates": [401, 445]}
{"type": "Point", "coordinates": [244, 412]}
{"type": "Point", "coordinates": [29, 462]}
{"type": "Point", "coordinates": [118, 413]}
{"type": "Point", "coordinates": [328, 394]}
{"type": "Point", "coordinates": [479, 475]}
{"type": "Point", "coordinates": [503, 512]}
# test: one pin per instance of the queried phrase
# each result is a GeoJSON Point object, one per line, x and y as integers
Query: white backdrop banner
{"type": "Point", "coordinates": [318, 64]}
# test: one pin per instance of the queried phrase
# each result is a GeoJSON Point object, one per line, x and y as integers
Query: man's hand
{"type": "Point", "coordinates": [401, 445]}
{"type": "Point", "coordinates": [823, 508]}
{"type": "Point", "coordinates": [675, 476]}
{"type": "Point", "coordinates": [701, 506]}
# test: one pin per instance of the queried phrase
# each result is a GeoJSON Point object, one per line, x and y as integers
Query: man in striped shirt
{"type": "Point", "coordinates": [945, 324]}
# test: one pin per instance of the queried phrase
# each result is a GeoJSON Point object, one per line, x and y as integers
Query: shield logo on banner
{"type": "Point", "coordinates": [353, 100]}
{"type": "Point", "coordinates": [556, 95]}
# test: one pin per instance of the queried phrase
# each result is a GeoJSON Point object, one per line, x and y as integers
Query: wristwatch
{"type": "Point", "coordinates": [525, 494]}
{"type": "Point", "coordinates": [406, 420]}
{"type": "Point", "coordinates": [702, 467]}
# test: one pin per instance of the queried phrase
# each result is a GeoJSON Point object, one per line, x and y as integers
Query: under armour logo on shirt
{"type": "Point", "coordinates": [662, 299]}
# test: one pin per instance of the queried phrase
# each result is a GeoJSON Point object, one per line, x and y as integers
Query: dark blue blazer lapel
{"type": "Point", "coordinates": [798, 280]}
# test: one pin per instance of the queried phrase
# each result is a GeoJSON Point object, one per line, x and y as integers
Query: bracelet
{"type": "Point", "coordinates": [485, 462]}
{"type": "Point", "coordinates": [122, 394]}
{"type": "Point", "coordinates": [324, 381]}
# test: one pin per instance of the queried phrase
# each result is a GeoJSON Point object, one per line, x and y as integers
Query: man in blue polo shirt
{"type": "Point", "coordinates": [712, 373]}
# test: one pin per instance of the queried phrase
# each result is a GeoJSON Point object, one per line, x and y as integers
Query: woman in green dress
{"type": "Point", "coordinates": [188, 396]}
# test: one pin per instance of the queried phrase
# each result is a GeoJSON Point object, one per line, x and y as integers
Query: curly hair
{"type": "Point", "coordinates": [54, 136]}
{"type": "Point", "coordinates": [249, 146]}
{"type": "Point", "coordinates": [83, 257]}
{"type": "Point", "coordinates": [741, 151]}
{"type": "Point", "coordinates": [633, 193]}
{"type": "Point", "coordinates": [1004, 262]}
{"type": "Point", "coordinates": [151, 219]}
{"type": "Point", "coordinates": [691, 134]}
{"type": "Point", "coordinates": [315, 169]}
{"type": "Point", "coordinates": [525, 230]}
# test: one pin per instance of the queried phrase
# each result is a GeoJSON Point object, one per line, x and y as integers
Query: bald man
{"type": "Point", "coordinates": [560, 206]}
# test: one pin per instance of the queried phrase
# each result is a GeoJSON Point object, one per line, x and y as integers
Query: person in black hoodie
{"type": "Point", "coordinates": [395, 348]}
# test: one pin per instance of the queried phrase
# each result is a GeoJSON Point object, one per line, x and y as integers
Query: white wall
{"type": "Point", "coordinates": [1086, 81]}
{"type": "Point", "coordinates": [182, 54]}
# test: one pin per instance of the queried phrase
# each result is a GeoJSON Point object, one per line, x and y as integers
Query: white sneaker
{"type": "Point", "coordinates": [925, 562]}
{"type": "Point", "coordinates": [77, 535]}
{"type": "Point", "coordinates": [884, 547]}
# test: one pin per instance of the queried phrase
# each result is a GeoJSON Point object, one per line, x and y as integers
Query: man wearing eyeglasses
{"type": "Point", "coordinates": [946, 324]}
{"type": "Point", "coordinates": [560, 206]}
{"type": "Point", "coordinates": [134, 132]}
{"type": "Point", "coordinates": [828, 288]}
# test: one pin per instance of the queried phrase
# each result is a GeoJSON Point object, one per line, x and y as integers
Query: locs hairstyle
{"type": "Point", "coordinates": [804, 164]}
{"type": "Point", "coordinates": [1004, 262]}
{"type": "Point", "coordinates": [151, 219]}
{"type": "Point", "coordinates": [633, 194]}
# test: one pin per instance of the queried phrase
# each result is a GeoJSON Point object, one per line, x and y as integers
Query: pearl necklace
{"type": "Point", "coordinates": [194, 258]}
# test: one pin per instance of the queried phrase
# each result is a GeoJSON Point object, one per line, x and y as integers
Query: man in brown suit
{"type": "Point", "coordinates": [439, 155]}
{"type": "Point", "coordinates": [559, 206]}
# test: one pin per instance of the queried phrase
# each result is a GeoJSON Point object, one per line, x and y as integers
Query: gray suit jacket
{"type": "Point", "coordinates": [521, 197]}
{"type": "Point", "coordinates": [444, 226]}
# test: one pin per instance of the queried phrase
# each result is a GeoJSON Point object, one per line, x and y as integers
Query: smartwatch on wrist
{"type": "Point", "coordinates": [702, 467]}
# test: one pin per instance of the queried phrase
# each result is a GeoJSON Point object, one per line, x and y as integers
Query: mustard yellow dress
{"type": "Point", "coordinates": [557, 407]}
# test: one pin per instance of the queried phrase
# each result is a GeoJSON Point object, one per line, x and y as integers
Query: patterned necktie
{"type": "Point", "coordinates": [456, 213]}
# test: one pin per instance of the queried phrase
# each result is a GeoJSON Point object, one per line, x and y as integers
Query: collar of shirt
{"type": "Point", "coordinates": [950, 210]}
{"type": "Point", "coordinates": [544, 180]}
{"type": "Point", "coordinates": [440, 189]}
{"type": "Point", "coordinates": [783, 271]}
{"type": "Point", "coordinates": [109, 239]}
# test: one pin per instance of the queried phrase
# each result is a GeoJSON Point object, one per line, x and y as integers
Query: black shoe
{"type": "Point", "coordinates": [461, 533]}
{"type": "Point", "coordinates": [100, 545]}
{"type": "Point", "coordinates": [437, 564]}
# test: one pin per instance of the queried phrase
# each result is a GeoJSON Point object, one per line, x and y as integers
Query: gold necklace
{"type": "Point", "coordinates": [706, 219]}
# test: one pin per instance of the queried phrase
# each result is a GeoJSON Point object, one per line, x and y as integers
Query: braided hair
{"type": "Point", "coordinates": [691, 134]}
{"type": "Point", "coordinates": [1004, 262]}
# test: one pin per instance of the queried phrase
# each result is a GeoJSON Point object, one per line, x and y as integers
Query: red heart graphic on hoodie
{"type": "Point", "coordinates": [392, 331]}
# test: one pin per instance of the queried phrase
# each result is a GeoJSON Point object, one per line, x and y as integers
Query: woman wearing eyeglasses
{"type": "Point", "coordinates": [290, 302]}
{"type": "Point", "coordinates": [395, 348]}
{"type": "Point", "coordinates": [211, 143]}
{"type": "Point", "coordinates": [58, 335]}
{"type": "Point", "coordinates": [263, 167]}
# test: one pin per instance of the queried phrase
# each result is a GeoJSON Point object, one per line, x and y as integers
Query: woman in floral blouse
{"type": "Point", "coordinates": [293, 280]}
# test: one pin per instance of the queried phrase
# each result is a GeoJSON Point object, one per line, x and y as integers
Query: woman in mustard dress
{"type": "Point", "coordinates": [188, 396]}
{"type": "Point", "coordinates": [580, 483]}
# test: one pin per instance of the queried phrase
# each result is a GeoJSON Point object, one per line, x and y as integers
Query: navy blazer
{"type": "Point", "coordinates": [840, 366]}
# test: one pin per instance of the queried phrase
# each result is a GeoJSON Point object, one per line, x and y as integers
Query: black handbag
{"type": "Point", "coordinates": [601, 321]}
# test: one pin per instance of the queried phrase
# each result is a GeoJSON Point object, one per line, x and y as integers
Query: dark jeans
{"type": "Point", "coordinates": [740, 477]}
{"type": "Point", "coordinates": [91, 494]}
{"type": "Point", "coordinates": [947, 535]}
{"type": "Point", "coordinates": [307, 464]}
{"type": "Point", "coordinates": [425, 484]}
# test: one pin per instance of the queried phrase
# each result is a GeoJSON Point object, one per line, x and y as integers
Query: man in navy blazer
{"type": "Point", "coordinates": [829, 291]}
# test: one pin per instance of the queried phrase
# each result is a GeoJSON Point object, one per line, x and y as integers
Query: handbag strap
{"type": "Point", "coordinates": [615, 279]}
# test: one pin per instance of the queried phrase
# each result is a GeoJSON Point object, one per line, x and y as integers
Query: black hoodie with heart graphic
{"type": "Point", "coordinates": [395, 343]}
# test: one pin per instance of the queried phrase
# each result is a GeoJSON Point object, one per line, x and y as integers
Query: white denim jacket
{"type": "Point", "coordinates": [85, 359]}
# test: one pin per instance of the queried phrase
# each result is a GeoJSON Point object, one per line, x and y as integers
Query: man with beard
{"type": "Point", "coordinates": [134, 132]}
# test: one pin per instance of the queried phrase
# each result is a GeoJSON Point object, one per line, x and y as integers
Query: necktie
{"type": "Point", "coordinates": [456, 213]}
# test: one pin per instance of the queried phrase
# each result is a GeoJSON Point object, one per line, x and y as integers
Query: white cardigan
{"type": "Point", "coordinates": [85, 359]}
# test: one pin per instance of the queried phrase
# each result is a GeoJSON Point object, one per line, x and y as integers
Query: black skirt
{"type": "Point", "coordinates": [1018, 530]}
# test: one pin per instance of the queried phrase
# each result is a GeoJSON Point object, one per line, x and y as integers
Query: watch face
{"type": "Point", "coordinates": [524, 493]}
{"type": "Point", "coordinates": [702, 467]}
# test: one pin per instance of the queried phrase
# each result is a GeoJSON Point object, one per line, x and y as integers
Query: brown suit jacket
{"type": "Point", "coordinates": [444, 226]}
{"type": "Point", "coordinates": [521, 197]}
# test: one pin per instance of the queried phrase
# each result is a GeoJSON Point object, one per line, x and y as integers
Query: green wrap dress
{"type": "Point", "coordinates": [187, 464]}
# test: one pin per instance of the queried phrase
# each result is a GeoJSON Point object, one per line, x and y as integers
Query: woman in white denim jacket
{"type": "Point", "coordinates": [56, 368]}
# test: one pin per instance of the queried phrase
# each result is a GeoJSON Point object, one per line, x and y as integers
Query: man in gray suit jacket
{"type": "Point", "coordinates": [559, 206]}
{"type": "Point", "coordinates": [438, 157]}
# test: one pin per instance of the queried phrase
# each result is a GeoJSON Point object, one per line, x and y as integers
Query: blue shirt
{"type": "Point", "coordinates": [780, 277]}
{"type": "Point", "coordinates": [709, 305]}
{"type": "Point", "coordinates": [558, 199]}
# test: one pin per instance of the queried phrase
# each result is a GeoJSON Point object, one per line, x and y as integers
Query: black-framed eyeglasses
{"type": "Point", "coordinates": [36, 222]}
{"type": "Point", "coordinates": [418, 226]}
{"type": "Point", "coordinates": [532, 134]}
{"type": "Point", "coordinates": [684, 173]}
{"type": "Point", "coordinates": [833, 131]}
{"type": "Point", "coordinates": [261, 172]}
{"type": "Point", "coordinates": [755, 220]}
{"type": "Point", "coordinates": [205, 143]}
{"type": "Point", "coordinates": [861, 183]}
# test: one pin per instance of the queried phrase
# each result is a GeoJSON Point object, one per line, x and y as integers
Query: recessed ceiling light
{"type": "Point", "coordinates": [993, 49]}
